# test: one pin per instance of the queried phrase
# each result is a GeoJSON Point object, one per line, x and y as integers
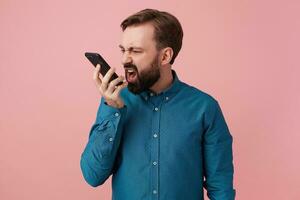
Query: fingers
{"type": "Point", "coordinates": [96, 75]}
{"type": "Point", "coordinates": [120, 87]}
{"type": "Point", "coordinates": [109, 90]}
{"type": "Point", "coordinates": [106, 78]}
{"type": "Point", "coordinates": [113, 84]}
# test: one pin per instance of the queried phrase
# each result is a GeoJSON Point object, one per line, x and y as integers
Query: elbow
{"type": "Point", "coordinates": [93, 183]}
{"type": "Point", "coordinates": [90, 175]}
{"type": "Point", "coordinates": [92, 180]}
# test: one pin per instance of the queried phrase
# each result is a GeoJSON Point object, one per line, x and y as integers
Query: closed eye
{"type": "Point", "coordinates": [131, 49]}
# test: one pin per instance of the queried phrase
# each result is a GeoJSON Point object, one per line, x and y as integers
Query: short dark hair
{"type": "Point", "coordinates": [167, 29]}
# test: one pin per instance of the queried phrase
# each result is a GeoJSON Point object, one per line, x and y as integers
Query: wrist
{"type": "Point", "coordinates": [115, 105]}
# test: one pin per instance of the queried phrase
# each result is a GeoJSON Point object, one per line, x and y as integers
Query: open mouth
{"type": "Point", "coordinates": [131, 75]}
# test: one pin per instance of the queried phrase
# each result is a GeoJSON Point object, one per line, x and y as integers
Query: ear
{"type": "Point", "coordinates": [167, 55]}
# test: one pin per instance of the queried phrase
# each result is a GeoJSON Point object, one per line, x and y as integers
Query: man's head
{"type": "Point", "coordinates": [151, 40]}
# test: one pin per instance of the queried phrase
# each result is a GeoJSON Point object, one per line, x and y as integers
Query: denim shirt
{"type": "Point", "coordinates": [166, 146]}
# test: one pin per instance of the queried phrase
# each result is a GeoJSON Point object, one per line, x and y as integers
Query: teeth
{"type": "Point", "coordinates": [130, 70]}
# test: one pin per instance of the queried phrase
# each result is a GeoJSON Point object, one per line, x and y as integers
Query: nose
{"type": "Point", "coordinates": [126, 58]}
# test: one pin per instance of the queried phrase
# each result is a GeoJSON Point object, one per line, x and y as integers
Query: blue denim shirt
{"type": "Point", "coordinates": [166, 146]}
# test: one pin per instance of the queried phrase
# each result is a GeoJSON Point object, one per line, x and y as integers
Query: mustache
{"type": "Point", "coordinates": [130, 65]}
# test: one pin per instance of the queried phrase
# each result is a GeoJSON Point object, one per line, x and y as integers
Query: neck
{"type": "Point", "coordinates": [165, 81]}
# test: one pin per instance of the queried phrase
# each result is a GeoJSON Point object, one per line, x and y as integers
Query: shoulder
{"type": "Point", "coordinates": [197, 95]}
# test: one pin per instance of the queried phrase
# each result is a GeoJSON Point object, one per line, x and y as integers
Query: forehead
{"type": "Point", "coordinates": [141, 35]}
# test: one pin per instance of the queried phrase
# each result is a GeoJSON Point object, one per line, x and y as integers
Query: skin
{"type": "Point", "coordinates": [139, 48]}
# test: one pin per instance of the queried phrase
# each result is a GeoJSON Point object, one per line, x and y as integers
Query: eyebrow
{"type": "Point", "coordinates": [130, 48]}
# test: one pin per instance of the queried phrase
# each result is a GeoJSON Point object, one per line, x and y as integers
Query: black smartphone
{"type": "Point", "coordinates": [95, 59]}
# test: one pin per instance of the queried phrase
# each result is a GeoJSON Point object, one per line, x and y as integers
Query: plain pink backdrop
{"type": "Point", "coordinates": [244, 53]}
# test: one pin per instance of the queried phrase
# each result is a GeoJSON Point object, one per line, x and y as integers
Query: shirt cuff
{"type": "Point", "coordinates": [106, 112]}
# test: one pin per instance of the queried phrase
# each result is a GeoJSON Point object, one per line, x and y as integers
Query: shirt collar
{"type": "Point", "coordinates": [173, 88]}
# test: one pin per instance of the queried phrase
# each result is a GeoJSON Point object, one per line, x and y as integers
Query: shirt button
{"type": "Point", "coordinates": [111, 139]}
{"type": "Point", "coordinates": [154, 192]}
{"type": "Point", "coordinates": [167, 98]}
{"type": "Point", "coordinates": [156, 109]}
{"type": "Point", "coordinates": [117, 114]}
{"type": "Point", "coordinates": [154, 163]}
{"type": "Point", "coordinates": [151, 94]}
{"type": "Point", "coordinates": [155, 135]}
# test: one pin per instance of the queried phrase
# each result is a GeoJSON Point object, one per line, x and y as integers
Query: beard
{"type": "Point", "coordinates": [146, 78]}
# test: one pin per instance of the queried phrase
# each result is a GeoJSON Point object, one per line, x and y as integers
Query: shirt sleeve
{"type": "Point", "coordinates": [98, 157]}
{"type": "Point", "coordinates": [217, 155]}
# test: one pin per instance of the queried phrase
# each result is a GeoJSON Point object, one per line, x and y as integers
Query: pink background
{"type": "Point", "coordinates": [244, 53]}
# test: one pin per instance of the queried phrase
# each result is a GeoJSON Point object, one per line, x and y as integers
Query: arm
{"type": "Point", "coordinates": [217, 155]}
{"type": "Point", "coordinates": [98, 157]}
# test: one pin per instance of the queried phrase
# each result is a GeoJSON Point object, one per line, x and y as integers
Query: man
{"type": "Point", "coordinates": [160, 138]}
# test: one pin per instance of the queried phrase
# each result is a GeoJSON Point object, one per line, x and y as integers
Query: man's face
{"type": "Point", "coordinates": [140, 57]}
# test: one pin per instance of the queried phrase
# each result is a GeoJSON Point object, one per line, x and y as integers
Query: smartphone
{"type": "Point", "coordinates": [95, 59]}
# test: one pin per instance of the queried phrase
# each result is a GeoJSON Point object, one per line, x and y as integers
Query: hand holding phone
{"type": "Point", "coordinates": [95, 59]}
{"type": "Point", "coordinates": [110, 85]}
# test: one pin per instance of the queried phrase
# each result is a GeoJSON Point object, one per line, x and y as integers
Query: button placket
{"type": "Point", "coordinates": [155, 150]}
